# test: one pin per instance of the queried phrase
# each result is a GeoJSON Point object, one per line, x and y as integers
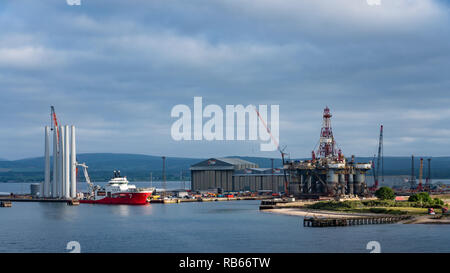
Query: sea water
{"type": "Point", "coordinates": [231, 226]}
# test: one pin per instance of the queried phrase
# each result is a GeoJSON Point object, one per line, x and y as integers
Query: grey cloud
{"type": "Point", "coordinates": [116, 68]}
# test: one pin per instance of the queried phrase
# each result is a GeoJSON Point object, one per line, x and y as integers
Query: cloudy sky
{"type": "Point", "coordinates": [115, 69]}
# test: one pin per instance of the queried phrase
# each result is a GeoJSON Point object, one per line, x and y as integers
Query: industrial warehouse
{"type": "Point", "coordinates": [235, 175]}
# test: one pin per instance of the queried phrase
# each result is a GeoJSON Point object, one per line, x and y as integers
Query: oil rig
{"type": "Point", "coordinates": [328, 173]}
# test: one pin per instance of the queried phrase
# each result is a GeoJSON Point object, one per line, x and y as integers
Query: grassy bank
{"type": "Point", "coordinates": [374, 206]}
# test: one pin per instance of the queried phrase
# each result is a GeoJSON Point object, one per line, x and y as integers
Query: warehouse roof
{"type": "Point", "coordinates": [259, 171]}
{"type": "Point", "coordinates": [223, 163]}
{"type": "Point", "coordinates": [236, 161]}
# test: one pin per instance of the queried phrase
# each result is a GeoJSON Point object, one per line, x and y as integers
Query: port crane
{"type": "Point", "coordinates": [428, 179]}
{"type": "Point", "coordinates": [281, 150]}
{"type": "Point", "coordinates": [420, 187]}
{"type": "Point", "coordinates": [286, 187]}
{"type": "Point", "coordinates": [412, 180]}
{"type": "Point", "coordinates": [380, 159]}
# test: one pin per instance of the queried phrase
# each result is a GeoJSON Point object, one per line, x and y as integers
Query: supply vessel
{"type": "Point", "coordinates": [117, 191]}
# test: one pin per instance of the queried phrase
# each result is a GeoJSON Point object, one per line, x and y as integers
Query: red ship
{"type": "Point", "coordinates": [117, 192]}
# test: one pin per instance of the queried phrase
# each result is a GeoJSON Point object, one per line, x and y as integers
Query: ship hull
{"type": "Point", "coordinates": [135, 198]}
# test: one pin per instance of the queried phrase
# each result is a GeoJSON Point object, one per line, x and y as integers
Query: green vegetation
{"type": "Point", "coordinates": [385, 193]}
{"type": "Point", "coordinates": [420, 197]}
{"type": "Point", "coordinates": [335, 205]}
{"type": "Point", "coordinates": [387, 211]}
{"type": "Point", "coordinates": [378, 206]}
{"type": "Point", "coordinates": [358, 206]}
{"type": "Point", "coordinates": [425, 200]}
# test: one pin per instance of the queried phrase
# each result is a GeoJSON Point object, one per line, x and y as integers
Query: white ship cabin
{"type": "Point", "coordinates": [116, 185]}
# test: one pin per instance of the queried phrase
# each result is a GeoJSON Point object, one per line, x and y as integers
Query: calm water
{"type": "Point", "coordinates": [235, 226]}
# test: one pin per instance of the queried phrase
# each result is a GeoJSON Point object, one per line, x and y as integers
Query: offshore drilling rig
{"type": "Point", "coordinates": [328, 173]}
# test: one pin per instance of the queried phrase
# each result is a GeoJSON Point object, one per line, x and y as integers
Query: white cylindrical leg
{"type": "Point", "coordinates": [73, 162]}
{"type": "Point", "coordinates": [55, 164]}
{"type": "Point", "coordinates": [46, 189]}
{"type": "Point", "coordinates": [67, 164]}
{"type": "Point", "coordinates": [61, 162]}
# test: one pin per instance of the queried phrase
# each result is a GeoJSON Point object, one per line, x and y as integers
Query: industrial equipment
{"type": "Point", "coordinates": [380, 159]}
{"type": "Point", "coordinates": [91, 187]}
{"type": "Point", "coordinates": [420, 187]}
{"type": "Point", "coordinates": [328, 173]}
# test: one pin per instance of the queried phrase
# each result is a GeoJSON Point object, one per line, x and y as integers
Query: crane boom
{"type": "Point", "coordinates": [54, 122]}
{"type": "Point", "coordinates": [380, 160]}
{"type": "Point", "coordinates": [286, 183]}
{"type": "Point", "coordinates": [87, 178]}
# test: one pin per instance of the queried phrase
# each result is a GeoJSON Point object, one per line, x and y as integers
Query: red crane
{"type": "Point", "coordinates": [54, 122]}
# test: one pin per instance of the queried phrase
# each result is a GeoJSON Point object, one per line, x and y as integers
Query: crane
{"type": "Point", "coordinates": [286, 186]}
{"type": "Point", "coordinates": [91, 186]}
{"type": "Point", "coordinates": [428, 179]}
{"type": "Point", "coordinates": [412, 180]}
{"type": "Point", "coordinates": [54, 122]}
{"type": "Point", "coordinates": [420, 187]}
{"type": "Point", "coordinates": [380, 159]}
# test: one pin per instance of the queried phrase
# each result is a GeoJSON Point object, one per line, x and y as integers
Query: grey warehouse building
{"type": "Point", "coordinates": [235, 175]}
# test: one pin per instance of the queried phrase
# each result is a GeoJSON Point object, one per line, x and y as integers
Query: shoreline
{"type": "Point", "coordinates": [317, 213]}
{"type": "Point", "coordinates": [422, 219]}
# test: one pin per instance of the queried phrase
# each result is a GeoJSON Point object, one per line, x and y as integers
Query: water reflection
{"type": "Point", "coordinates": [56, 211]}
{"type": "Point", "coordinates": [122, 210]}
{"type": "Point", "coordinates": [130, 210]}
{"type": "Point", "coordinates": [146, 210]}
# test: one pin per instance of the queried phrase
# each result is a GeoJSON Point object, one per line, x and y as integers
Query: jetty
{"type": "Point", "coordinates": [352, 221]}
{"type": "Point", "coordinates": [33, 199]}
{"type": "Point", "coordinates": [5, 204]}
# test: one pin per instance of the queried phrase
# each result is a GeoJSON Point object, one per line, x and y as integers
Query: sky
{"type": "Point", "coordinates": [116, 68]}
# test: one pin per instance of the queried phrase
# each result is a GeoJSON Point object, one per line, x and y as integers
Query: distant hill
{"type": "Point", "coordinates": [138, 167]}
{"type": "Point", "coordinates": [101, 166]}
